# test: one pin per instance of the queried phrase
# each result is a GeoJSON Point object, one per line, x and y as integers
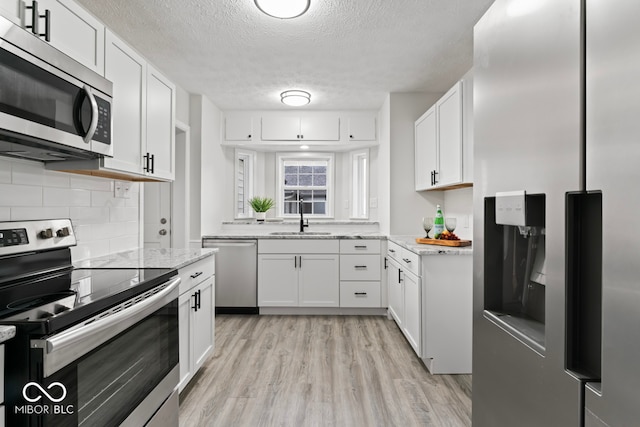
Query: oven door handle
{"type": "Point", "coordinates": [64, 348]}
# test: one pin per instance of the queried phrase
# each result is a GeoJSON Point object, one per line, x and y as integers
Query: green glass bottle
{"type": "Point", "coordinates": [438, 223]}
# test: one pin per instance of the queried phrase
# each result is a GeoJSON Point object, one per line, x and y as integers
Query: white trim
{"type": "Point", "coordinates": [330, 187]}
{"type": "Point", "coordinates": [250, 180]}
{"type": "Point", "coordinates": [353, 191]}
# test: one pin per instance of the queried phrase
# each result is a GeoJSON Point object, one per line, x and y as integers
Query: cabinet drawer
{"type": "Point", "coordinates": [358, 246]}
{"type": "Point", "coordinates": [360, 267]}
{"type": "Point", "coordinates": [298, 246]}
{"type": "Point", "coordinates": [394, 250]}
{"type": "Point", "coordinates": [196, 273]}
{"type": "Point", "coordinates": [410, 261]}
{"type": "Point", "coordinates": [359, 294]}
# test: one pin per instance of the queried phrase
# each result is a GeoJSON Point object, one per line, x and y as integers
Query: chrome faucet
{"type": "Point", "coordinates": [303, 223]}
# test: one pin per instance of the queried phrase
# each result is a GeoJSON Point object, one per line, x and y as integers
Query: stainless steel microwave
{"type": "Point", "coordinates": [51, 107]}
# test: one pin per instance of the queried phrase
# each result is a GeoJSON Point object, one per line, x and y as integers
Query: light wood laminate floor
{"type": "Point", "coordinates": [319, 371]}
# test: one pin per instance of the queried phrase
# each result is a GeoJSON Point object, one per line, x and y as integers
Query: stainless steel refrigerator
{"type": "Point", "coordinates": [557, 249]}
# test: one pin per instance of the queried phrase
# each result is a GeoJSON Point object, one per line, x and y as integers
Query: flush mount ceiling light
{"type": "Point", "coordinates": [295, 98]}
{"type": "Point", "coordinates": [283, 9]}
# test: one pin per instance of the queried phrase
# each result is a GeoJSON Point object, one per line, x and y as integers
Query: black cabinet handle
{"type": "Point", "coordinates": [47, 25]}
{"type": "Point", "coordinates": [406, 260]}
{"type": "Point", "coordinates": [301, 136]}
{"type": "Point", "coordinates": [435, 181]}
{"type": "Point", "coordinates": [392, 251]}
{"type": "Point", "coordinates": [351, 136]}
{"type": "Point", "coordinates": [295, 261]}
{"type": "Point", "coordinates": [194, 275]}
{"type": "Point", "coordinates": [360, 246]}
{"type": "Point", "coordinates": [360, 293]}
{"type": "Point", "coordinates": [249, 136]}
{"type": "Point", "coordinates": [399, 275]}
{"type": "Point", "coordinates": [146, 162]}
{"type": "Point", "coordinates": [300, 261]}
{"type": "Point", "coordinates": [385, 263]}
{"type": "Point", "coordinates": [359, 267]}
{"type": "Point", "coordinates": [35, 16]}
{"type": "Point", "coordinates": [195, 301]}
{"type": "Point", "coordinates": [153, 163]}
{"type": "Point", "coordinates": [298, 136]}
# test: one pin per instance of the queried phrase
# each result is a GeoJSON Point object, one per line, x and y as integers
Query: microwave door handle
{"type": "Point", "coordinates": [62, 349]}
{"type": "Point", "coordinates": [94, 115]}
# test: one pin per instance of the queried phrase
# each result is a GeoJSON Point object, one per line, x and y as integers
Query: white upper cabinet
{"type": "Point", "coordinates": [362, 128]}
{"type": "Point", "coordinates": [73, 31]}
{"type": "Point", "coordinates": [443, 141]}
{"type": "Point", "coordinates": [161, 105]}
{"type": "Point", "coordinates": [128, 72]}
{"type": "Point", "coordinates": [426, 146]}
{"type": "Point", "coordinates": [238, 127]}
{"type": "Point", "coordinates": [290, 127]}
{"type": "Point", "coordinates": [11, 10]}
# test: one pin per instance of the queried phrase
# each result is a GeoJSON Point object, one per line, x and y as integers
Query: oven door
{"type": "Point", "coordinates": [108, 373]}
{"type": "Point", "coordinates": [43, 102]}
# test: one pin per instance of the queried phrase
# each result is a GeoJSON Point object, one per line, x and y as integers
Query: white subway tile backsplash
{"type": "Point", "coordinates": [5, 171]}
{"type": "Point", "coordinates": [27, 173]}
{"type": "Point", "coordinates": [105, 198]}
{"type": "Point", "coordinates": [20, 195]}
{"type": "Point", "coordinates": [123, 214]}
{"type": "Point", "coordinates": [66, 197]}
{"type": "Point", "coordinates": [56, 179]}
{"type": "Point", "coordinates": [85, 250]}
{"type": "Point", "coordinates": [5, 214]}
{"type": "Point", "coordinates": [91, 183]}
{"type": "Point", "coordinates": [89, 215]}
{"type": "Point", "coordinates": [19, 214]}
{"type": "Point", "coordinates": [124, 243]}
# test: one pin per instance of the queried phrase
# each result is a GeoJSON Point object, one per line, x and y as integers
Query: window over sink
{"type": "Point", "coordinates": [306, 176]}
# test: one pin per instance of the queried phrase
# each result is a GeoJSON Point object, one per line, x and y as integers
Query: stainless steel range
{"type": "Point", "coordinates": [93, 347]}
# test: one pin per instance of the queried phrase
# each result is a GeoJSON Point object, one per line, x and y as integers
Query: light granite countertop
{"type": "Point", "coordinates": [409, 242]}
{"type": "Point", "coordinates": [148, 258]}
{"type": "Point", "coordinates": [294, 235]}
{"type": "Point", "coordinates": [7, 332]}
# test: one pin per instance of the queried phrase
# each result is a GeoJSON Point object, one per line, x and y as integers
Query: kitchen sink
{"type": "Point", "coordinates": [300, 233]}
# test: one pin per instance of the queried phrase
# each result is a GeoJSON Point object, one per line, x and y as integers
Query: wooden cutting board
{"type": "Point", "coordinates": [440, 242]}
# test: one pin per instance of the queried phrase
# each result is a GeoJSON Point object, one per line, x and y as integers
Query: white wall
{"type": "Point", "coordinates": [215, 188]}
{"type": "Point", "coordinates": [382, 160]}
{"type": "Point", "coordinates": [407, 207]}
{"type": "Point", "coordinates": [103, 223]}
{"type": "Point", "coordinates": [459, 204]}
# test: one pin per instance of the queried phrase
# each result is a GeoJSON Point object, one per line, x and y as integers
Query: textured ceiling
{"type": "Point", "coordinates": [347, 53]}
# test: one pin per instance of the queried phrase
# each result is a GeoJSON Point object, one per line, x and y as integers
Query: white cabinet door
{"type": "Point", "coordinates": [277, 280]}
{"type": "Point", "coordinates": [10, 9]}
{"type": "Point", "coordinates": [75, 32]}
{"type": "Point", "coordinates": [320, 128]}
{"type": "Point", "coordinates": [280, 127]}
{"type": "Point", "coordinates": [185, 306]}
{"type": "Point", "coordinates": [203, 323]}
{"type": "Point", "coordinates": [412, 311]}
{"type": "Point", "coordinates": [160, 125]}
{"type": "Point", "coordinates": [128, 72]}
{"type": "Point", "coordinates": [319, 282]}
{"type": "Point", "coordinates": [395, 292]}
{"type": "Point", "coordinates": [450, 137]}
{"type": "Point", "coordinates": [362, 128]}
{"type": "Point", "coordinates": [238, 127]}
{"type": "Point", "coordinates": [426, 141]}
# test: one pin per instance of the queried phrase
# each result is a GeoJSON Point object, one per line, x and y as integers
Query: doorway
{"type": "Point", "coordinates": [166, 204]}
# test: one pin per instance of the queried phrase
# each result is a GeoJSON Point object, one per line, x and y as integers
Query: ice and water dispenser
{"type": "Point", "coordinates": [514, 270]}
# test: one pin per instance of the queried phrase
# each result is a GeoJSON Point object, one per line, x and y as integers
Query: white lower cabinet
{"type": "Point", "coordinates": [412, 325]}
{"type": "Point", "coordinates": [298, 273]}
{"type": "Point", "coordinates": [196, 317]}
{"type": "Point", "coordinates": [309, 280]}
{"type": "Point", "coordinates": [430, 299]}
{"type": "Point", "coordinates": [360, 273]}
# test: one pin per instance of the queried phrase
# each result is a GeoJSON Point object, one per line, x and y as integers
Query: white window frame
{"type": "Point", "coordinates": [249, 182]}
{"type": "Point", "coordinates": [280, 159]}
{"type": "Point", "coordinates": [359, 184]}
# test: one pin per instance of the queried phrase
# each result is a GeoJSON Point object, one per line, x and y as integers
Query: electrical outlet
{"type": "Point", "coordinates": [122, 190]}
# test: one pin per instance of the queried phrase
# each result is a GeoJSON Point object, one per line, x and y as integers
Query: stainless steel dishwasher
{"type": "Point", "coordinates": [236, 275]}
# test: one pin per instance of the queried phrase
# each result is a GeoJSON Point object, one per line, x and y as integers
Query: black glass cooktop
{"type": "Point", "coordinates": [53, 302]}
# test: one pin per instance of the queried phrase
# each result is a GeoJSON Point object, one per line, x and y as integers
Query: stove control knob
{"type": "Point", "coordinates": [46, 234]}
{"type": "Point", "coordinates": [63, 232]}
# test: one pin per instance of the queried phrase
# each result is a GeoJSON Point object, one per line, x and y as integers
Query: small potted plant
{"type": "Point", "coordinates": [261, 205]}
